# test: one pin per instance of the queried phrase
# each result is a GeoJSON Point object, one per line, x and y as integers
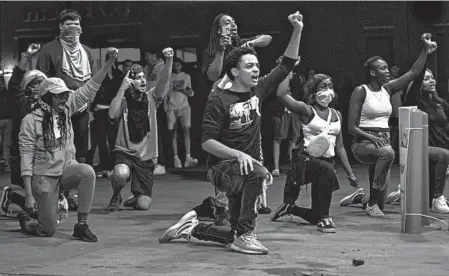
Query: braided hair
{"type": "Point", "coordinates": [214, 38]}
{"type": "Point", "coordinates": [64, 124]}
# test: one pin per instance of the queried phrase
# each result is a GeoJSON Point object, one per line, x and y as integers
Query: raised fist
{"type": "Point", "coordinates": [168, 52]}
{"type": "Point", "coordinates": [429, 45]}
{"type": "Point", "coordinates": [113, 53]}
{"type": "Point", "coordinates": [296, 20]}
{"type": "Point", "coordinates": [33, 48]}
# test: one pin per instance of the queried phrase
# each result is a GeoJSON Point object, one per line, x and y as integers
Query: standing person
{"type": "Point", "coordinates": [105, 131]}
{"type": "Point", "coordinates": [6, 110]}
{"type": "Point", "coordinates": [178, 108]}
{"type": "Point", "coordinates": [318, 121]}
{"type": "Point", "coordinates": [369, 112]}
{"type": "Point", "coordinates": [231, 135]}
{"type": "Point", "coordinates": [24, 88]}
{"type": "Point", "coordinates": [48, 156]}
{"type": "Point", "coordinates": [66, 58]}
{"type": "Point", "coordinates": [223, 38]}
{"type": "Point", "coordinates": [285, 125]}
{"type": "Point", "coordinates": [134, 107]}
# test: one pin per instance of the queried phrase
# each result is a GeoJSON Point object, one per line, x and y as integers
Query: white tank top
{"type": "Point", "coordinates": [316, 126]}
{"type": "Point", "coordinates": [376, 109]}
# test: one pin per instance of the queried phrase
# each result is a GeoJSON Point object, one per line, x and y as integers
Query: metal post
{"type": "Point", "coordinates": [425, 173]}
{"type": "Point", "coordinates": [411, 137]}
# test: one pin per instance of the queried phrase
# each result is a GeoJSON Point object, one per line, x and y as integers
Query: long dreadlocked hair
{"type": "Point", "coordinates": [214, 38]}
{"type": "Point", "coordinates": [64, 125]}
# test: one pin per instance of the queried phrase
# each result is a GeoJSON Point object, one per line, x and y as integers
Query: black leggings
{"type": "Point", "coordinates": [321, 173]}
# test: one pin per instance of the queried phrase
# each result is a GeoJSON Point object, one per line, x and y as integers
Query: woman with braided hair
{"type": "Point", "coordinates": [48, 160]}
{"type": "Point", "coordinates": [223, 38]}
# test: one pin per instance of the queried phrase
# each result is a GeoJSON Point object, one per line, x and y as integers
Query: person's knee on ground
{"type": "Point", "coordinates": [47, 222]}
{"type": "Point", "coordinates": [206, 209]}
{"type": "Point", "coordinates": [120, 176]}
{"type": "Point", "coordinates": [143, 202]}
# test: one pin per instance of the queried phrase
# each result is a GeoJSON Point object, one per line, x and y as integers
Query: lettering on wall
{"type": "Point", "coordinates": [87, 11]}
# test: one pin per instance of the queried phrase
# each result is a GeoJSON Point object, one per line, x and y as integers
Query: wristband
{"type": "Point", "coordinates": [351, 175]}
{"type": "Point", "coordinates": [26, 55]}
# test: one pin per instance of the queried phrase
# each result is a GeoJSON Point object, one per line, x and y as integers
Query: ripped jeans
{"type": "Point", "coordinates": [242, 191]}
{"type": "Point", "coordinates": [379, 160]}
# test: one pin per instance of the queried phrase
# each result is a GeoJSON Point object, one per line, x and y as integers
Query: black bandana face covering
{"type": "Point", "coordinates": [138, 121]}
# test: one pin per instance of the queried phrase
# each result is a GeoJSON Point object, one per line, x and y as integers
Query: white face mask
{"type": "Point", "coordinates": [324, 97]}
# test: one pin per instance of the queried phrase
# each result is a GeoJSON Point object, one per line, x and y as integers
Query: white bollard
{"type": "Point", "coordinates": [425, 167]}
{"type": "Point", "coordinates": [411, 156]}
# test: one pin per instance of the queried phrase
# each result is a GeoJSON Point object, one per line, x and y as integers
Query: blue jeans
{"type": "Point", "coordinates": [380, 160]}
{"type": "Point", "coordinates": [438, 164]}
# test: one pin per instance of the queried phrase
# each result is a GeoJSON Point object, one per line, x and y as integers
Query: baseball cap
{"type": "Point", "coordinates": [30, 76]}
{"type": "Point", "coordinates": [54, 86]}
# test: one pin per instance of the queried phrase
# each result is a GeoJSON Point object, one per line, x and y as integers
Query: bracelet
{"type": "Point", "coordinates": [351, 175]}
{"type": "Point", "coordinates": [26, 55]}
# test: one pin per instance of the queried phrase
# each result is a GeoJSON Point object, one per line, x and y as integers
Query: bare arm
{"type": "Point", "coordinates": [115, 109]}
{"type": "Point", "coordinates": [355, 109]}
{"type": "Point", "coordinates": [298, 107]}
{"type": "Point", "coordinates": [216, 148]}
{"type": "Point", "coordinates": [259, 41]}
{"type": "Point", "coordinates": [341, 151]}
{"type": "Point", "coordinates": [400, 83]}
{"type": "Point", "coordinates": [163, 82]}
{"type": "Point", "coordinates": [215, 68]}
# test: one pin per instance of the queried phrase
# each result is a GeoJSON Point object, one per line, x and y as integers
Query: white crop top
{"type": "Point", "coordinates": [316, 126]}
{"type": "Point", "coordinates": [376, 109]}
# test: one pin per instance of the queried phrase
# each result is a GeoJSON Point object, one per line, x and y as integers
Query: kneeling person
{"type": "Point", "coordinates": [136, 146]}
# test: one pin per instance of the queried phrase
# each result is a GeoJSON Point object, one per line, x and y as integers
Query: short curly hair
{"type": "Point", "coordinates": [233, 59]}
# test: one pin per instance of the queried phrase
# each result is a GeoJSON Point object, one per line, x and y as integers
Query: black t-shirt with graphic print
{"type": "Point", "coordinates": [233, 118]}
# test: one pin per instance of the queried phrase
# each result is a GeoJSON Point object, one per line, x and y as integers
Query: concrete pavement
{"type": "Point", "coordinates": [128, 240]}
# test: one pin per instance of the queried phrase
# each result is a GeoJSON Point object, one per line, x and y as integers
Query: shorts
{"type": "Point", "coordinates": [182, 114]}
{"type": "Point", "coordinates": [286, 126]}
{"type": "Point", "coordinates": [141, 173]}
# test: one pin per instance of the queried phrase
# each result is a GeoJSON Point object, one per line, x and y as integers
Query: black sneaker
{"type": "Point", "coordinates": [130, 202]}
{"type": "Point", "coordinates": [73, 204]}
{"type": "Point", "coordinates": [326, 226]}
{"type": "Point", "coordinates": [5, 201]}
{"type": "Point", "coordinates": [282, 210]}
{"type": "Point", "coordinates": [221, 216]}
{"type": "Point", "coordinates": [264, 211]}
{"type": "Point", "coordinates": [82, 232]}
{"type": "Point", "coordinates": [115, 203]}
{"type": "Point", "coordinates": [23, 219]}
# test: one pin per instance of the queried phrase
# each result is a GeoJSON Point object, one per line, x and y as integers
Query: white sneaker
{"type": "Point", "coordinates": [159, 170]}
{"type": "Point", "coordinates": [439, 205]}
{"type": "Point", "coordinates": [190, 162]}
{"type": "Point", "coordinates": [177, 162]}
{"type": "Point", "coordinates": [248, 244]}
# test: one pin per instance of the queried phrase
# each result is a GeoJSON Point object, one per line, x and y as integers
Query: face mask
{"type": "Point", "coordinates": [323, 98]}
{"type": "Point", "coordinates": [71, 34]}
